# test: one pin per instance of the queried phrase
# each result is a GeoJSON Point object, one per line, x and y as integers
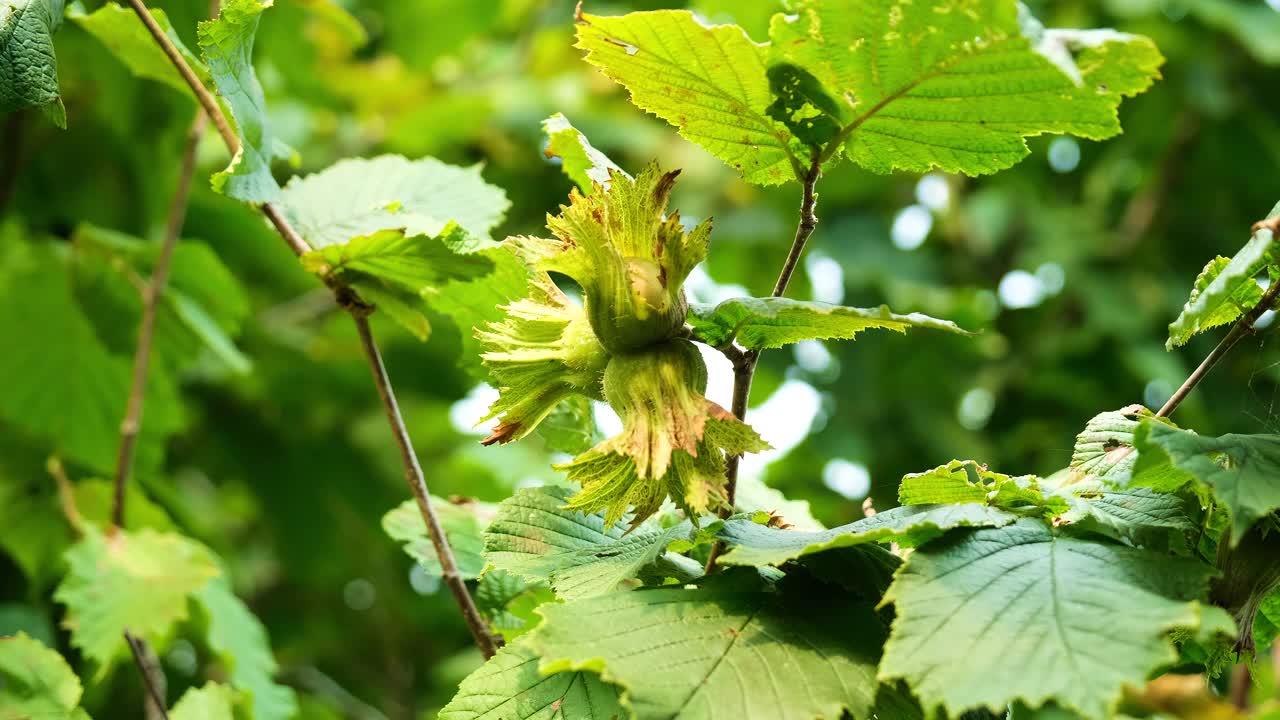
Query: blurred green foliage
{"type": "Point", "coordinates": [1071, 265]}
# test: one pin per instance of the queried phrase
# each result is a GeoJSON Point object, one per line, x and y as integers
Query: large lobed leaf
{"type": "Point", "coordinates": [1225, 289]}
{"type": "Point", "coordinates": [227, 45]}
{"type": "Point", "coordinates": [361, 196]}
{"type": "Point", "coordinates": [760, 323]}
{"type": "Point", "coordinates": [936, 85]}
{"type": "Point", "coordinates": [1241, 470]}
{"type": "Point", "coordinates": [909, 86]}
{"type": "Point", "coordinates": [28, 68]}
{"type": "Point", "coordinates": [993, 616]}
{"type": "Point", "coordinates": [534, 537]}
{"type": "Point", "coordinates": [709, 82]}
{"type": "Point", "coordinates": [137, 582]}
{"type": "Point", "coordinates": [721, 652]}
{"type": "Point", "coordinates": [509, 686]}
{"type": "Point", "coordinates": [36, 683]}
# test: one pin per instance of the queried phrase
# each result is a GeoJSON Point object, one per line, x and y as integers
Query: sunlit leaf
{"type": "Point", "coordinates": [585, 165]}
{"type": "Point", "coordinates": [709, 82]}
{"type": "Point", "coordinates": [761, 323]}
{"type": "Point", "coordinates": [139, 582]}
{"type": "Point", "coordinates": [932, 85]}
{"type": "Point", "coordinates": [1224, 290]}
{"type": "Point", "coordinates": [36, 683]}
{"type": "Point", "coordinates": [361, 196]}
{"type": "Point", "coordinates": [211, 702]}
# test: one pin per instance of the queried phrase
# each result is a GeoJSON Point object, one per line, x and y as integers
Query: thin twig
{"type": "Point", "coordinates": [351, 302]}
{"type": "Point", "coordinates": [1242, 327]}
{"type": "Point", "coordinates": [745, 361]}
{"type": "Point", "coordinates": [149, 674]}
{"type": "Point", "coordinates": [417, 483]}
{"type": "Point", "coordinates": [206, 98]}
{"type": "Point", "coordinates": [151, 297]}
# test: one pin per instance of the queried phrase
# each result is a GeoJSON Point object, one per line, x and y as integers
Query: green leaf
{"type": "Point", "coordinates": [463, 524]}
{"type": "Point", "coordinates": [715, 653]}
{"type": "Point", "coordinates": [709, 82]}
{"type": "Point", "coordinates": [508, 602]}
{"type": "Point", "coordinates": [36, 682]}
{"type": "Point", "coordinates": [957, 482]}
{"type": "Point", "coordinates": [803, 105]}
{"type": "Point", "coordinates": [28, 68]}
{"type": "Point", "coordinates": [929, 85]}
{"type": "Point", "coordinates": [122, 32]}
{"type": "Point", "coordinates": [909, 526]}
{"type": "Point", "coordinates": [138, 582]}
{"type": "Point", "coordinates": [1139, 515]}
{"type": "Point", "coordinates": [1032, 616]}
{"type": "Point", "coordinates": [1104, 449]}
{"type": "Point", "coordinates": [240, 642]}
{"type": "Point", "coordinates": [211, 702]}
{"type": "Point", "coordinates": [72, 394]}
{"type": "Point", "coordinates": [571, 427]}
{"type": "Point", "coordinates": [510, 687]}
{"type": "Point", "coordinates": [585, 165]}
{"type": "Point", "coordinates": [762, 323]}
{"type": "Point", "coordinates": [534, 537]}
{"type": "Point", "coordinates": [475, 303]}
{"type": "Point", "coordinates": [35, 531]}
{"type": "Point", "coordinates": [1241, 470]}
{"type": "Point", "coordinates": [1224, 290]}
{"type": "Point", "coordinates": [361, 196]}
{"type": "Point", "coordinates": [417, 264]}
{"type": "Point", "coordinates": [227, 45]}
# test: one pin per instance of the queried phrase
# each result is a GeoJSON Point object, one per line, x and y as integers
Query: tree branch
{"type": "Point", "coordinates": [745, 361]}
{"type": "Point", "coordinates": [152, 293]}
{"type": "Point", "coordinates": [351, 302]}
{"type": "Point", "coordinates": [417, 483]}
{"type": "Point", "coordinates": [151, 677]}
{"type": "Point", "coordinates": [1243, 326]}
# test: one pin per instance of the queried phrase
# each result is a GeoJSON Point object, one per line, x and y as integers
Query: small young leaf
{"type": "Point", "coordinates": [463, 524]}
{"type": "Point", "coordinates": [721, 653]}
{"type": "Point", "coordinates": [1224, 290]}
{"type": "Point", "coordinates": [908, 525]}
{"type": "Point", "coordinates": [119, 28]}
{"type": "Point", "coordinates": [1034, 616]}
{"type": "Point", "coordinates": [211, 702]}
{"type": "Point", "coordinates": [227, 45]}
{"type": "Point", "coordinates": [709, 82]}
{"type": "Point", "coordinates": [240, 642]}
{"type": "Point", "coordinates": [28, 68]}
{"type": "Point", "coordinates": [361, 196]}
{"type": "Point", "coordinates": [138, 582]}
{"type": "Point", "coordinates": [36, 683]}
{"type": "Point", "coordinates": [585, 165]}
{"type": "Point", "coordinates": [534, 537]}
{"type": "Point", "coordinates": [762, 323]}
{"type": "Point", "coordinates": [510, 687]}
{"type": "Point", "coordinates": [1241, 470]}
